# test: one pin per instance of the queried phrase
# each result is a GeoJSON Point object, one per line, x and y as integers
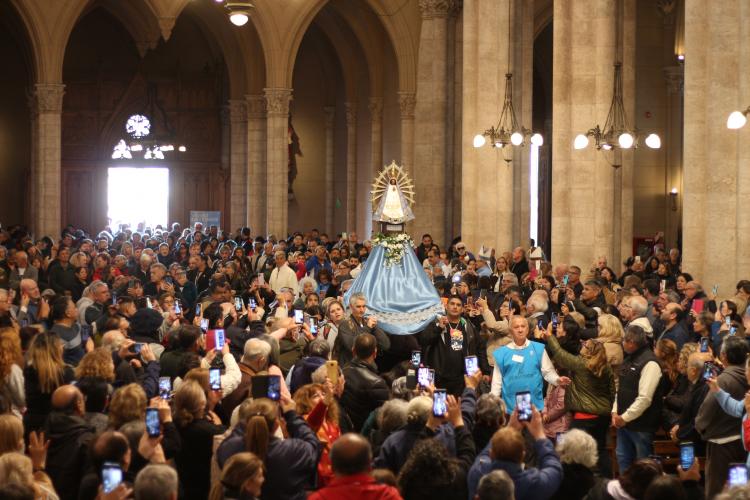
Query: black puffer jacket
{"type": "Point", "coordinates": [364, 391]}
{"type": "Point", "coordinates": [67, 457]}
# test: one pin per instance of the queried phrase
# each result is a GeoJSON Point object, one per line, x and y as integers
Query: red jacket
{"type": "Point", "coordinates": [359, 486]}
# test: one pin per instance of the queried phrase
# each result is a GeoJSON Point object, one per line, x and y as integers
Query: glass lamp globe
{"type": "Point", "coordinates": [479, 141]}
{"type": "Point", "coordinates": [625, 140]}
{"type": "Point", "coordinates": [537, 139]}
{"type": "Point", "coordinates": [736, 120]}
{"type": "Point", "coordinates": [238, 18]}
{"type": "Point", "coordinates": [580, 142]}
{"type": "Point", "coordinates": [653, 141]}
{"type": "Point", "coordinates": [516, 138]}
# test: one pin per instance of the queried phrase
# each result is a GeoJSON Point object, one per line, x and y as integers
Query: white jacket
{"type": "Point", "coordinates": [283, 277]}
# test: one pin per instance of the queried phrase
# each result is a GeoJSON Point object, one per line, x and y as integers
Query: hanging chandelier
{"type": "Point", "coordinates": [617, 132]}
{"type": "Point", "coordinates": [140, 138]}
{"type": "Point", "coordinates": [508, 132]}
{"type": "Point", "coordinates": [737, 119]}
{"type": "Point", "coordinates": [238, 10]}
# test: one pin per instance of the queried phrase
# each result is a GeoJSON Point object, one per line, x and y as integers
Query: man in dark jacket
{"type": "Point", "coordinates": [721, 430]}
{"type": "Point", "coordinates": [69, 436]}
{"type": "Point", "coordinates": [365, 390]}
{"type": "Point", "coordinates": [684, 429]}
{"type": "Point", "coordinates": [506, 451]}
{"type": "Point", "coordinates": [355, 325]}
{"type": "Point", "coordinates": [591, 297]}
{"type": "Point", "coordinates": [674, 327]}
{"type": "Point", "coordinates": [446, 344]}
{"type": "Point", "coordinates": [637, 410]}
{"type": "Point", "coordinates": [60, 273]}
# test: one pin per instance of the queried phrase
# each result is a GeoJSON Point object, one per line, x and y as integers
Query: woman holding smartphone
{"type": "Point", "coordinates": [592, 390]}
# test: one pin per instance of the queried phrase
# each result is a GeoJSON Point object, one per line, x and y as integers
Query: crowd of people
{"type": "Point", "coordinates": [167, 363]}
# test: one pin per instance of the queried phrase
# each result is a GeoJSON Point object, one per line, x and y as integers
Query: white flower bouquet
{"type": "Point", "coordinates": [394, 245]}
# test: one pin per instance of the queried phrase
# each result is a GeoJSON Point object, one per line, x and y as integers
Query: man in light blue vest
{"type": "Point", "coordinates": [522, 366]}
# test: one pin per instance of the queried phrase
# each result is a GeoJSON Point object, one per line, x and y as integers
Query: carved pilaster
{"type": "Point", "coordinates": [277, 101]}
{"type": "Point", "coordinates": [407, 102]}
{"type": "Point", "coordinates": [256, 106]}
{"type": "Point", "coordinates": [48, 97]}
{"type": "Point", "coordinates": [376, 108]}
{"type": "Point", "coordinates": [432, 9]}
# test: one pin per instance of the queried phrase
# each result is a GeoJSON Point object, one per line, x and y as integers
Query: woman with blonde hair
{"type": "Point", "coordinates": [242, 477]}
{"type": "Point", "coordinates": [45, 371]}
{"type": "Point", "coordinates": [197, 428]}
{"type": "Point", "coordinates": [16, 468]}
{"type": "Point", "coordinates": [11, 374]}
{"type": "Point", "coordinates": [610, 335]}
{"type": "Point", "coordinates": [128, 404]}
{"type": "Point", "coordinates": [666, 352]}
{"type": "Point", "coordinates": [97, 364]}
{"type": "Point", "coordinates": [316, 404]}
{"type": "Point", "coordinates": [591, 393]}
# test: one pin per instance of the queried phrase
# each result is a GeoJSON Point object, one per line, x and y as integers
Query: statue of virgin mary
{"type": "Point", "coordinates": [399, 292]}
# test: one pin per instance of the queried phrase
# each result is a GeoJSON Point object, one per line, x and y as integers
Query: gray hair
{"type": "Point", "coordinates": [635, 334]}
{"type": "Point", "coordinates": [256, 348]}
{"type": "Point", "coordinates": [161, 266]}
{"type": "Point", "coordinates": [672, 296]}
{"type": "Point", "coordinates": [490, 410]}
{"type": "Point", "coordinates": [497, 485]}
{"type": "Point", "coordinates": [736, 493]}
{"type": "Point", "coordinates": [357, 296]}
{"type": "Point", "coordinates": [578, 447]}
{"type": "Point", "coordinates": [278, 253]}
{"type": "Point", "coordinates": [392, 415]}
{"type": "Point", "coordinates": [319, 375]}
{"type": "Point", "coordinates": [155, 482]}
{"type": "Point", "coordinates": [94, 286]}
{"type": "Point", "coordinates": [419, 409]}
{"type": "Point", "coordinates": [510, 276]}
{"type": "Point", "coordinates": [639, 306]}
{"type": "Point", "coordinates": [538, 302]}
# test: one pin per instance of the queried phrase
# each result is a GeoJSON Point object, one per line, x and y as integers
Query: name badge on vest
{"type": "Point", "coordinates": [517, 358]}
{"type": "Point", "coordinates": [457, 339]}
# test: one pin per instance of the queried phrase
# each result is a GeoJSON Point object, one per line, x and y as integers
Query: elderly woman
{"type": "Point", "coordinates": [578, 454]}
{"type": "Point", "coordinates": [610, 335]}
{"type": "Point", "coordinates": [307, 286]}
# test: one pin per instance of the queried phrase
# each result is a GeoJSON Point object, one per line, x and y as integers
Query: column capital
{"type": "Point", "coordinates": [256, 105]}
{"type": "Point", "coordinates": [329, 112]}
{"type": "Point", "coordinates": [675, 77]}
{"type": "Point", "coordinates": [277, 100]}
{"type": "Point", "coordinates": [351, 113]}
{"type": "Point", "coordinates": [376, 108]}
{"type": "Point", "coordinates": [237, 111]}
{"type": "Point", "coordinates": [47, 97]}
{"type": "Point", "coordinates": [407, 101]}
{"type": "Point", "coordinates": [432, 9]}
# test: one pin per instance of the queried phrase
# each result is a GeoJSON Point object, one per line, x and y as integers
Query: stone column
{"type": "Point", "coordinates": [376, 133]}
{"type": "Point", "coordinates": [330, 188]}
{"type": "Point", "coordinates": [351, 166]}
{"type": "Point", "coordinates": [591, 199]}
{"type": "Point", "coordinates": [430, 150]}
{"type": "Point", "coordinates": [488, 185]}
{"type": "Point", "coordinates": [237, 164]}
{"type": "Point", "coordinates": [407, 103]}
{"type": "Point", "coordinates": [277, 160]}
{"type": "Point", "coordinates": [47, 148]}
{"type": "Point", "coordinates": [256, 155]}
{"type": "Point", "coordinates": [672, 142]}
{"type": "Point", "coordinates": [716, 230]}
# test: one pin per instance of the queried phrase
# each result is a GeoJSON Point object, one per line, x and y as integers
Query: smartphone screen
{"type": "Point", "coordinates": [472, 365]}
{"type": "Point", "coordinates": [728, 320]}
{"type": "Point", "coordinates": [732, 330]}
{"type": "Point", "coordinates": [204, 324]}
{"type": "Point", "coordinates": [111, 476]}
{"type": "Point", "coordinates": [298, 316]}
{"type": "Point", "coordinates": [456, 278]}
{"type": "Point", "coordinates": [148, 303]}
{"type": "Point", "coordinates": [559, 437]}
{"type": "Point", "coordinates": [704, 344]}
{"type": "Point", "coordinates": [313, 326]}
{"type": "Point", "coordinates": [114, 299]}
{"type": "Point", "coordinates": [439, 405]}
{"type": "Point", "coordinates": [565, 280]}
{"type": "Point", "coordinates": [523, 405]}
{"type": "Point", "coordinates": [177, 308]}
{"type": "Point", "coordinates": [137, 348]}
{"type": "Point", "coordinates": [261, 279]}
{"type": "Point", "coordinates": [663, 285]}
{"type": "Point", "coordinates": [198, 309]}
{"type": "Point", "coordinates": [274, 388]}
{"type": "Point", "coordinates": [687, 455]}
{"type": "Point", "coordinates": [540, 324]}
{"type": "Point", "coordinates": [554, 321]}
{"type": "Point", "coordinates": [737, 475]}
{"type": "Point", "coordinates": [431, 376]}
{"type": "Point", "coordinates": [253, 304]}
{"type": "Point", "coordinates": [483, 293]}
{"type": "Point", "coordinates": [709, 370]}
{"type": "Point", "coordinates": [214, 379]}
{"type": "Point", "coordinates": [423, 376]}
{"type": "Point", "coordinates": [219, 337]}
{"type": "Point", "coordinates": [238, 304]}
{"type": "Point", "coordinates": [416, 358]}
{"type": "Point", "coordinates": [165, 387]}
{"type": "Point", "coordinates": [153, 426]}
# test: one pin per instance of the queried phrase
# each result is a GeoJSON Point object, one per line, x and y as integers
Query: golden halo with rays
{"type": "Point", "coordinates": [382, 181]}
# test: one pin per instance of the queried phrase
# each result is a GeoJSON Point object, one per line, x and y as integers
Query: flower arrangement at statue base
{"type": "Point", "coordinates": [395, 245]}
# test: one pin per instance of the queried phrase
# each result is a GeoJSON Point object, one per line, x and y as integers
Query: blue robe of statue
{"type": "Point", "coordinates": [400, 296]}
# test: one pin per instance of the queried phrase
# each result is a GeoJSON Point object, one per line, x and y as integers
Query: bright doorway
{"type": "Point", "coordinates": [138, 196]}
